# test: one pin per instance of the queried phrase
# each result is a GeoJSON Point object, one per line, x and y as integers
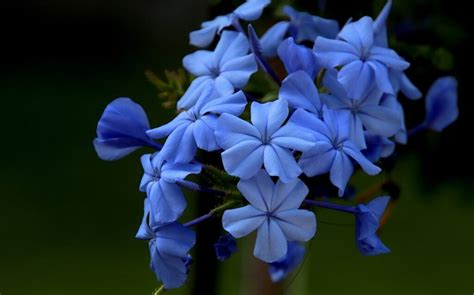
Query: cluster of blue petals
{"type": "Point", "coordinates": [350, 118]}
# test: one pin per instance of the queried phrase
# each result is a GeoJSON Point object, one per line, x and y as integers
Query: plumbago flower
{"type": "Point", "coordinates": [166, 199]}
{"type": "Point", "coordinates": [333, 149]}
{"type": "Point", "coordinates": [274, 212]}
{"type": "Point", "coordinates": [195, 127]}
{"type": "Point", "coordinates": [228, 67]}
{"type": "Point", "coordinates": [264, 142]}
{"type": "Point", "coordinates": [350, 117]}
{"type": "Point", "coordinates": [248, 11]}
{"type": "Point", "coordinates": [169, 245]}
{"type": "Point", "coordinates": [363, 63]}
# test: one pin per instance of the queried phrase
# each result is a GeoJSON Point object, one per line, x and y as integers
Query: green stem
{"type": "Point", "coordinates": [160, 290]}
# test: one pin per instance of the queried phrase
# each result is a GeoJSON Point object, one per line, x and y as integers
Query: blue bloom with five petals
{"type": "Point", "coordinates": [274, 212]}
{"type": "Point", "coordinates": [228, 67]}
{"type": "Point", "coordinates": [264, 142]}
{"type": "Point", "coordinates": [167, 201]}
{"type": "Point", "coordinates": [363, 63]}
{"type": "Point", "coordinates": [333, 150]}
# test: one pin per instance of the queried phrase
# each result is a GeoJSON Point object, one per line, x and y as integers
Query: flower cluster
{"type": "Point", "coordinates": [275, 148]}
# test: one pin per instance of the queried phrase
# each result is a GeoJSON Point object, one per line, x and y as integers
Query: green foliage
{"type": "Point", "coordinates": [171, 87]}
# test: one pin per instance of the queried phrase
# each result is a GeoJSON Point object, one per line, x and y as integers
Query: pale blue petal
{"type": "Point", "coordinates": [251, 9]}
{"type": "Point", "coordinates": [166, 200]}
{"type": "Point", "coordinates": [318, 160]}
{"type": "Point", "coordinates": [192, 94]}
{"type": "Point", "coordinates": [273, 37]}
{"type": "Point", "coordinates": [271, 243]}
{"type": "Point", "coordinates": [297, 225]}
{"type": "Point", "coordinates": [173, 171]}
{"type": "Point", "coordinates": [204, 36]}
{"type": "Point", "coordinates": [382, 76]}
{"type": "Point", "coordinates": [204, 133]}
{"type": "Point", "coordinates": [242, 221]}
{"type": "Point", "coordinates": [175, 239]}
{"type": "Point", "coordinates": [231, 45]}
{"type": "Point", "coordinates": [231, 131]}
{"type": "Point", "coordinates": [243, 160]}
{"type": "Point", "coordinates": [359, 34]}
{"type": "Point", "coordinates": [288, 196]}
{"type": "Point", "coordinates": [332, 53]}
{"type": "Point", "coordinates": [388, 57]}
{"type": "Point", "coordinates": [380, 120]}
{"type": "Point", "coordinates": [293, 137]}
{"type": "Point", "coordinates": [280, 162]}
{"type": "Point", "coordinates": [300, 92]}
{"type": "Point", "coordinates": [170, 270]}
{"type": "Point", "coordinates": [298, 57]}
{"type": "Point", "coordinates": [258, 190]}
{"type": "Point", "coordinates": [357, 79]}
{"type": "Point", "coordinates": [180, 146]}
{"type": "Point", "coordinates": [200, 63]}
{"type": "Point", "coordinates": [239, 69]}
{"type": "Point", "coordinates": [341, 171]}
{"type": "Point", "coordinates": [233, 104]}
{"type": "Point", "coordinates": [165, 130]}
{"type": "Point", "coordinates": [355, 154]}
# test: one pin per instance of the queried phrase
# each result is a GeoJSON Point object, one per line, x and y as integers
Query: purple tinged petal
{"type": "Point", "coordinates": [297, 225]}
{"type": "Point", "coordinates": [242, 221]}
{"type": "Point", "coordinates": [281, 268]}
{"type": "Point", "coordinates": [175, 239]}
{"type": "Point", "coordinates": [271, 243]}
{"type": "Point", "coordinates": [380, 120]}
{"type": "Point", "coordinates": [307, 27]}
{"type": "Point", "coordinates": [382, 77]}
{"type": "Point", "coordinates": [145, 232]}
{"type": "Point", "coordinates": [357, 131]}
{"type": "Point", "coordinates": [258, 190]}
{"type": "Point", "coordinates": [273, 37]}
{"type": "Point", "coordinates": [171, 270]}
{"type": "Point", "coordinates": [310, 122]}
{"type": "Point", "coordinates": [441, 103]}
{"type": "Point", "coordinates": [408, 88]}
{"type": "Point", "coordinates": [300, 92]}
{"type": "Point", "coordinates": [381, 20]}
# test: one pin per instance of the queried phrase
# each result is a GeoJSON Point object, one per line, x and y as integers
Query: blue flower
{"type": "Point", "coordinates": [442, 103]}
{"type": "Point", "coordinates": [248, 11]}
{"type": "Point", "coordinates": [363, 63]}
{"type": "Point", "coordinates": [297, 57]}
{"type": "Point", "coordinates": [267, 142]}
{"type": "Point", "coordinates": [167, 201]}
{"type": "Point", "coordinates": [274, 213]}
{"type": "Point", "coordinates": [398, 79]}
{"type": "Point", "coordinates": [169, 245]}
{"type": "Point", "coordinates": [367, 222]}
{"type": "Point", "coordinates": [195, 127]}
{"type": "Point", "coordinates": [333, 149]}
{"type": "Point", "coordinates": [228, 67]}
{"type": "Point", "coordinates": [281, 268]}
{"type": "Point", "coordinates": [121, 130]}
{"type": "Point", "coordinates": [301, 27]}
{"type": "Point", "coordinates": [225, 247]}
{"type": "Point", "coordinates": [365, 111]}
{"type": "Point", "coordinates": [300, 92]}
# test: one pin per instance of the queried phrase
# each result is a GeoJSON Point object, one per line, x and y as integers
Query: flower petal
{"type": "Point", "coordinates": [242, 221]}
{"type": "Point", "coordinates": [297, 225]}
{"type": "Point", "coordinates": [271, 243]}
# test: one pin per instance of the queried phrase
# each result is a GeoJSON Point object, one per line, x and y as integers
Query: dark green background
{"type": "Point", "coordinates": [67, 219]}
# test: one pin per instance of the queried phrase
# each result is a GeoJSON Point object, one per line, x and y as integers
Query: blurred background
{"type": "Point", "coordinates": [68, 219]}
